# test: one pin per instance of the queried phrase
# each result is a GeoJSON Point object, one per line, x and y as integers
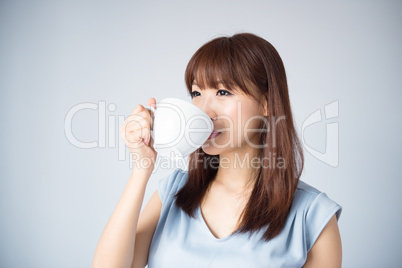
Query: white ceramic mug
{"type": "Point", "coordinates": [179, 127]}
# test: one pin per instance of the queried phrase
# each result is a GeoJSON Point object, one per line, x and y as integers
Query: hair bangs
{"type": "Point", "coordinates": [211, 67]}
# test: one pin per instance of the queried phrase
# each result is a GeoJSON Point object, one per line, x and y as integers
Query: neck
{"type": "Point", "coordinates": [237, 171]}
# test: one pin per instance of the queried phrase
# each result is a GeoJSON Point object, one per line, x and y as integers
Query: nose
{"type": "Point", "coordinates": [207, 105]}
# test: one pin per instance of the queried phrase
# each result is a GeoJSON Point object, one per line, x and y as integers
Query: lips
{"type": "Point", "coordinates": [214, 134]}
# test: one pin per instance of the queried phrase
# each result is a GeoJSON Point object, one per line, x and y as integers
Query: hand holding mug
{"type": "Point", "coordinates": [136, 134]}
{"type": "Point", "coordinates": [179, 127]}
{"type": "Point", "coordinates": [172, 128]}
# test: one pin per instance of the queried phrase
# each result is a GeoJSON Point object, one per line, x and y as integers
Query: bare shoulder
{"type": "Point", "coordinates": [327, 249]}
{"type": "Point", "coordinates": [147, 223]}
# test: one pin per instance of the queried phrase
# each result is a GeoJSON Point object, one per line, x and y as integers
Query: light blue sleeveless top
{"type": "Point", "coordinates": [181, 241]}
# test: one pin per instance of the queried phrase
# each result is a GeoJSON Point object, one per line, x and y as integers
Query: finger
{"type": "Point", "coordinates": [136, 139]}
{"type": "Point", "coordinates": [141, 111]}
{"type": "Point", "coordinates": [141, 119]}
{"type": "Point", "coordinates": [151, 141]}
{"type": "Point", "coordinates": [148, 117]}
{"type": "Point", "coordinates": [135, 125]}
{"type": "Point", "coordinates": [133, 140]}
{"type": "Point", "coordinates": [146, 135]}
{"type": "Point", "coordinates": [151, 103]}
{"type": "Point", "coordinates": [136, 130]}
{"type": "Point", "coordinates": [137, 109]}
{"type": "Point", "coordinates": [137, 122]}
{"type": "Point", "coordinates": [131, 126]}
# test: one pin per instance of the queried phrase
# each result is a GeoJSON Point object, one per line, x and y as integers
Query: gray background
{"type": "Point", "coordinates": [56, 198]}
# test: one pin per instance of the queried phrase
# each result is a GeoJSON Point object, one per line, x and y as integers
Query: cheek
{"type": "Point", "coordinates": [241, 116]}
{"type": "Point", "coordinates": [251, 121]}
{"type": "Point", "coordinates": [232, 114]}
{"type": "Point", "coordinates": [242, 121]}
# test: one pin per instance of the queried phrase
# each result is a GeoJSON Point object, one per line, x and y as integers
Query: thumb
{"type": "Point", "coordinates": [151, 103]}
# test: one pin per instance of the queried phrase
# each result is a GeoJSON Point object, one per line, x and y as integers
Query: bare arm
{"type": "Point", "coordinates": [327, 249]}
{"type": "Point", "coordinates": [147, 223]}
{"type": "Point", "coordinates": [116, 245]}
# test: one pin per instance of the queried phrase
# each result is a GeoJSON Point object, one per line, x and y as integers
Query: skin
{"type": "Point", "coordinates": [327, 249]}
{"type": "Point", "coordinates": [227, 196]}
{"type": "Point", "coordinates": [233, 144]}
{"type": "Point", "coordinates": [225, 200]}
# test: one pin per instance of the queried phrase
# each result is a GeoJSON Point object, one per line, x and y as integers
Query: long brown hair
{"type": "Point", "coordinates": [249, 63]}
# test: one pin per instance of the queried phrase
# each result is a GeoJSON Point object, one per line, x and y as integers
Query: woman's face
{"type": "Point", "coordinates": [234, 114]}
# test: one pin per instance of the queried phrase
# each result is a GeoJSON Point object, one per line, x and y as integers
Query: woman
{"type": "Point", "coordinates": [241, 204]}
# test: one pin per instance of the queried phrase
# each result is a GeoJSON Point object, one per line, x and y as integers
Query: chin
{"type": "Point", "coordinates": [210, 150]}
{"type": "Point", "coordinates": [223, 144]}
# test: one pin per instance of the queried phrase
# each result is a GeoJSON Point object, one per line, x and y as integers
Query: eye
{"type": "Point", "coordinates": [224, 93]}
{"type": "Point", "coordinates": [194, 94]}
